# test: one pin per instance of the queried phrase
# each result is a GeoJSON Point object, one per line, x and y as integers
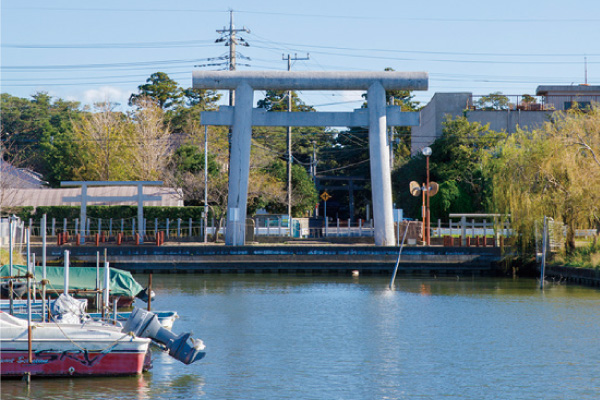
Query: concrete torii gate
{"type": "Point", "coordinates": [377, 117]}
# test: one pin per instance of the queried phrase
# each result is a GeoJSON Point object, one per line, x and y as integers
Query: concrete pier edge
{"type": "Point", "coordinates": [300, 259]}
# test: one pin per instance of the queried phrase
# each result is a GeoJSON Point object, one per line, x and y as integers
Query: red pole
{"type": "Point", "coordinates": [428, 210]}
{"type": "Point", "coordinates": [97, 240]}
{"type": "Point", "coordinates": [137, 239]}
{"type": "Point", "coordinates": [424, 213]}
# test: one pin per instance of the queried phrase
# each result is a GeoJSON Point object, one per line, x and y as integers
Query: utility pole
{"type": "Point", "coordinates": [230, 39]}
{"type": "Point", "coordinates": [289, 138]}
{"type": "Point", "coordinates": [313, 163]}
{"type": "Point", "coordinates": [228, 35]}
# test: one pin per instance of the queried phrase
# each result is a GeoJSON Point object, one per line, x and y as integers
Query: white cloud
{"type": "Point", "coordinates": [106, 93]}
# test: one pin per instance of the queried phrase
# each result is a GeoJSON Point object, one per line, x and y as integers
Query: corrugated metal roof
{"type": "Point", "coordinates": [54, 197]}
{"type": "Point", "coordinates": [13, 177]}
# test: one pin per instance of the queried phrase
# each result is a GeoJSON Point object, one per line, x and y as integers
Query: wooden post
{"type": "Point", "coordinates": [150, 292]}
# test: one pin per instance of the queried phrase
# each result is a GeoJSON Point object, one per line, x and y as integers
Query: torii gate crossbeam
{"type": "Point", "coordinates": [377, 117]}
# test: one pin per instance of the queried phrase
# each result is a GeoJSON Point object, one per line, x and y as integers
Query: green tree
{"type": "Point", "coordinates": [39, 134]}
{"type": "Point", "coordinates": [277, 100]}
{"type": "Point", "coordinates": [528, 99]}
{"type": "Point", "coordinates": [456, 164]}
{"type": "Point", "coordinates": [185, 117]}
{"type": "Point", "coordinates": [304, 194]}
{"type": "Point", "coordinates": [554, 172]}
{"type": "Point", "coordinates": [493, 101]}
{"type": "Point", "coordinates": [160, 87]}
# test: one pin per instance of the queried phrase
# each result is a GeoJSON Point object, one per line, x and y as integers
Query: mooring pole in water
{"type": "Point", "coordinates": [544, 245]}
{"type": "Point", "coordinates": [115, 306]}
{"type": "Point", "coordinates": [10, 264]}
{"type": "Point", "coordinates": [150, 292]}
{"type": "Point", "coordinates": [399, 253]}
{"type": "Point", "coordinates": [43, 228]}
{"type": "Point", "coordinates": [29, 332]}
{"type": "Point", "coordinates": [97, 279]}
{"type": "Point", "coordinates": [106, 289]}
{"type": "Point", "coordinates": [66, 273]}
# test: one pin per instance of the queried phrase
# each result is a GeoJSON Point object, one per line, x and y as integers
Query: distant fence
{"type": "Point", "coordinates": [195, 229]}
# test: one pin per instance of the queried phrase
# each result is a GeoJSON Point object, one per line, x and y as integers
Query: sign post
{"type": "Point", "coordinates": [325, 196]}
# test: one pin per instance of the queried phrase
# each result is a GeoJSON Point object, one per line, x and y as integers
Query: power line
{"type": "Point", "coordinates": [124, 45]}
{"type": "Point", "coordinates": [17, 68]}
{"type": "Point", "coordinates": [393, 17]}
{"type": "Point", "coordinates": [261, 39]}
{"type": "Point", "coordinates": [502, 62]}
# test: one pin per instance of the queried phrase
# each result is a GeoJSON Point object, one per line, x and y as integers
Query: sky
{"type": "Point", "coordinates": [96, 51]}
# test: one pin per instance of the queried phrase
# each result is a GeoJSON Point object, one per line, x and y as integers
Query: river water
{"type": "Point", "coordinates": [321, 337]}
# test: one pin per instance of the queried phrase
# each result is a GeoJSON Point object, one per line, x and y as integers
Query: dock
{"type": "Point", "coordinates": [315, 258]}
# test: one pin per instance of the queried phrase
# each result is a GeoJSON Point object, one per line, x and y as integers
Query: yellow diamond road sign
{"type": "Point", "coordinates": [325, 196]}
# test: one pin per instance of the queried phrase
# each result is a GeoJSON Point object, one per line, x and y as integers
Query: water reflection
{"type": "Point", "coordinates": [100, 388]}
{"type": "Point", "coordinates": [281, 336]}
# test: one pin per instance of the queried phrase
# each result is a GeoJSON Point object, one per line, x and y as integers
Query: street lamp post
{"type": "Point", "coordinates": [426, 215]}
{"type": "Point", "coordinates": [426, 189]}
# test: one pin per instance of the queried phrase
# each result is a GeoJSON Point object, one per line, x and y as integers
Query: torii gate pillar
{"type": "Point", "coordinates": [242, 117]}
{"type": "Point", "coordinates": [239, 165]}
{"type": "Point", "coordinates": [381, 181]}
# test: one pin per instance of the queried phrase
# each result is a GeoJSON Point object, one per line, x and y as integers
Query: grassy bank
{"type": "Point", "coordinates": [584, 256]}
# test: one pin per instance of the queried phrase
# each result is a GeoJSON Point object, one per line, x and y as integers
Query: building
{"type": "Point", "coordinates": [525, 112]}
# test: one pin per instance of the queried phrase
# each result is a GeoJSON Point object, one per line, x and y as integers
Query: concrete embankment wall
{"type": "Point", "coordinates": [584, 276]}
{"type": "Point", "coordinates": [338, 259]}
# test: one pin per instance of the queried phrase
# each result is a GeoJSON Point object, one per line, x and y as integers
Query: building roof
{"type": "Point", "coordinates": [568, 89]}
{"type": "Point", "coordinates": [13, 177]}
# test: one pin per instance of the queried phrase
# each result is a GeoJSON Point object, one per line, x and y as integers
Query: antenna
{"type": "Point", "coordinates": [585, 63]}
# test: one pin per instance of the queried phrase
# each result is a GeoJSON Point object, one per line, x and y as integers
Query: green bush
{"type": "Point", "coordinates": [24, 212]}
{"type": "Point", "coordinates": [107, 212]}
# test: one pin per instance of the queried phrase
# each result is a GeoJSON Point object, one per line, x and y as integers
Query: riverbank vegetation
{"type": "Point", "coordinates": [553, 171]}
{"type": "Point", "coordinates": [585, 255]}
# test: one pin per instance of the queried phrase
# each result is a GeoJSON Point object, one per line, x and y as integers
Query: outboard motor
{"type": "Point", "coordinates": [143, 295]}
{"type": "Point", "coordinates": [145, 324]}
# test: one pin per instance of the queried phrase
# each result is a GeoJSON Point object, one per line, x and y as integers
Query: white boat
{"type": "Point", "coordinates": [69, 349]}
{"type": "Point", "coordinates": [165, 318]}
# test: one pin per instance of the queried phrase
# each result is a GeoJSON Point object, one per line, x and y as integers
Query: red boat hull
{"type": "Point", "coordinates": [72, 363]}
